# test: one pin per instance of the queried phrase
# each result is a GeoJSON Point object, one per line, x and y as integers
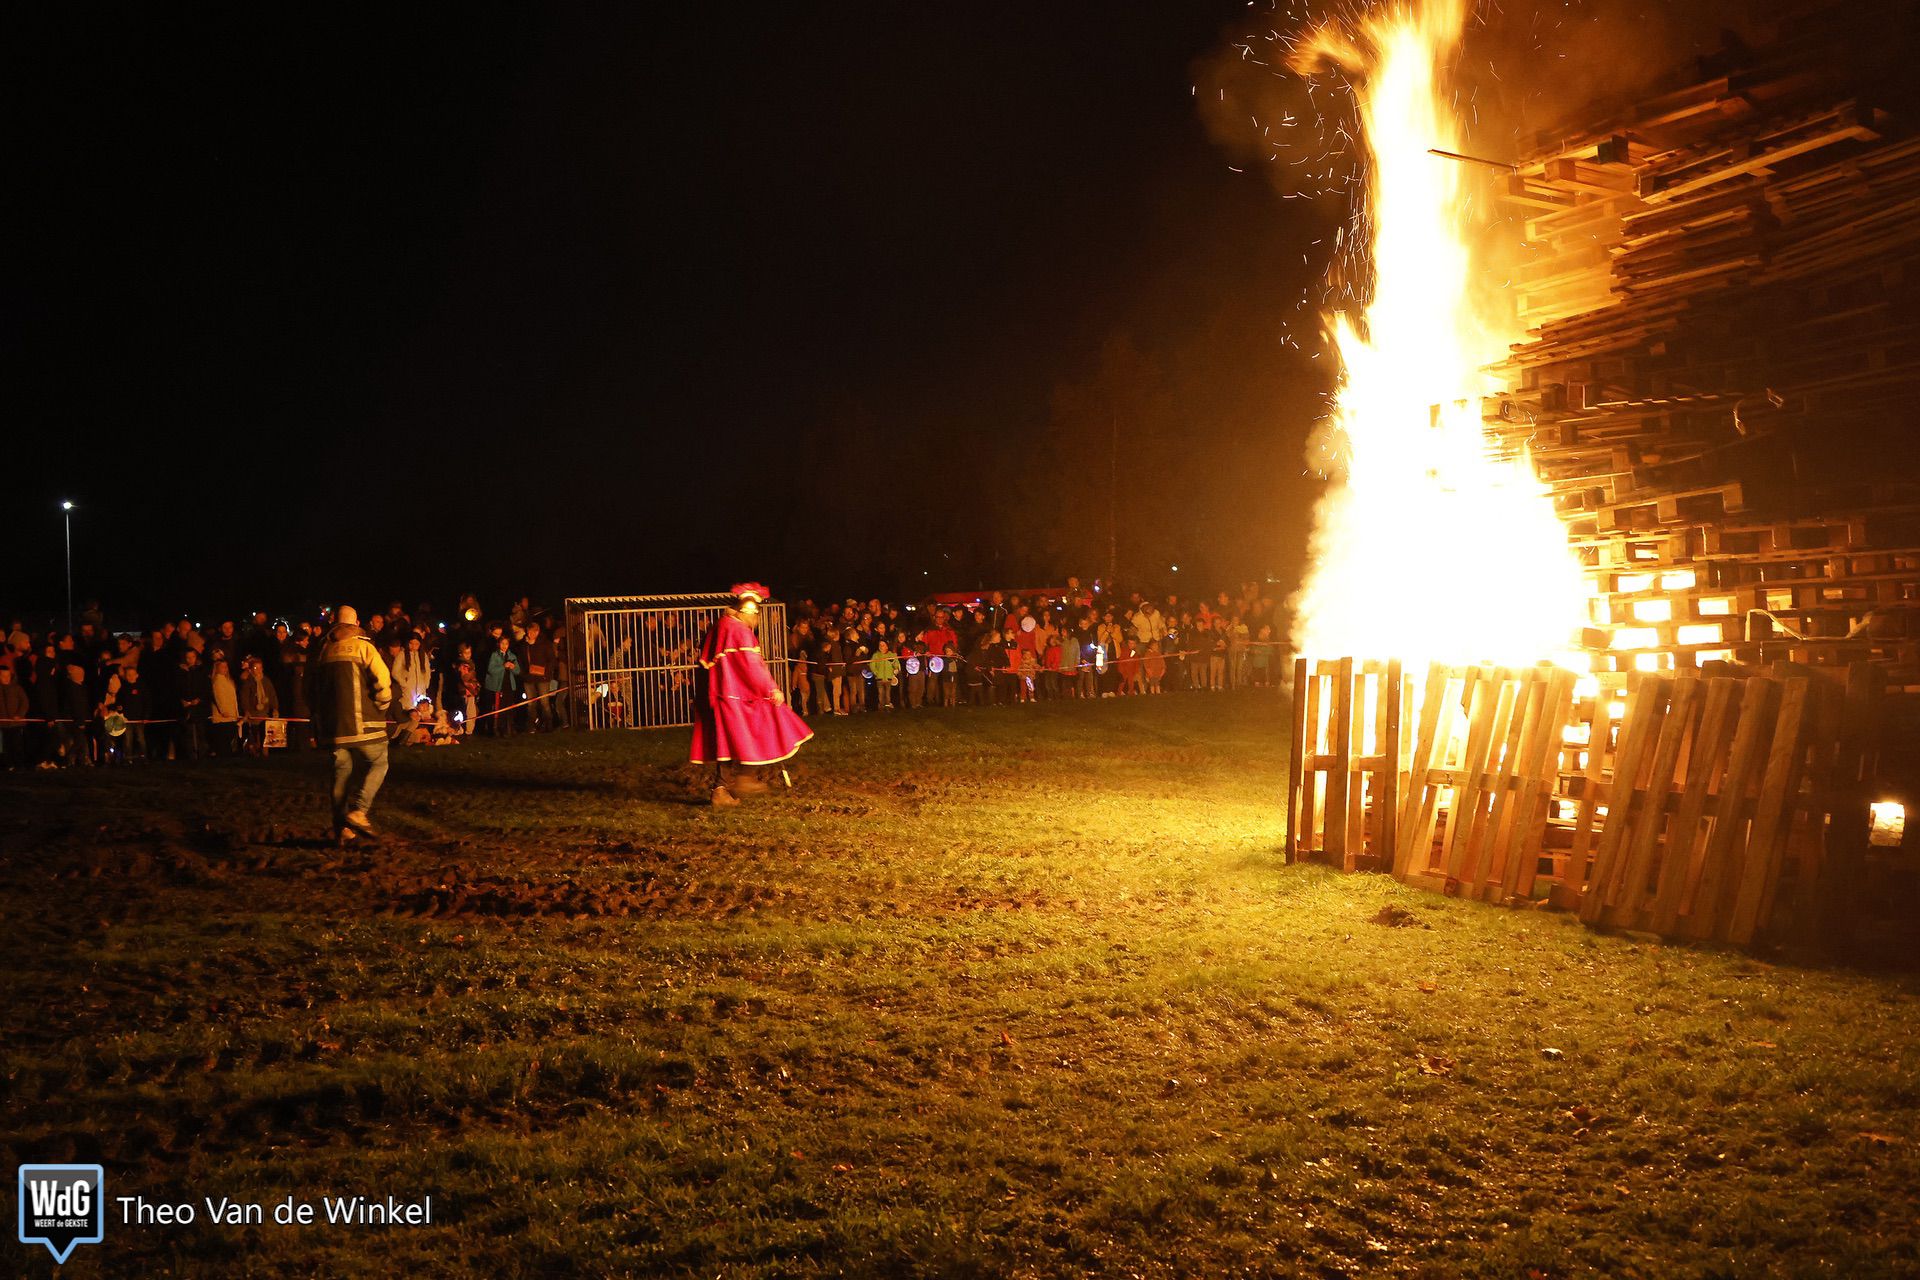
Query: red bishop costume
{"type": "Point", "coordinates": [740, 719]}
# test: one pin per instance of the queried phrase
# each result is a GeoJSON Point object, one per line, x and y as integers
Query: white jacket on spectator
{"type": "Point", "coordinates": [412, 678]}
{"type": "Point", "coordinates": [226, 699]}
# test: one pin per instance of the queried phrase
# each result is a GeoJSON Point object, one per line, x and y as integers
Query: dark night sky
{"type": "Point", "coordinates": [303, 305]}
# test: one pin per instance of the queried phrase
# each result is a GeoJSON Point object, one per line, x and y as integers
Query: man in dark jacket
{"type": "Point", "coordinates": [76, 709]}
{"type": "Point", "coordinates": [135, 706]}
{"type": "Point", "coordinates": [541, 661]}
{"type": "Point", "coordinates": [13, 720]}
{"type": "Point", "coordinates": [193, 695]}
{"type": "Point", "coordinates": [47, 677]}
{"type": "Point", "coordinates": [348, 693]}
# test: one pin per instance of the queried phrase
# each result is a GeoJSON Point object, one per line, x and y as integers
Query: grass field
{"type": "Point", "coordinates": [993, 992]}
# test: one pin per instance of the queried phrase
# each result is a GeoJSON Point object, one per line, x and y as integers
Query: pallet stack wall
{"type": "Point", "coordinates": [1721, 377]}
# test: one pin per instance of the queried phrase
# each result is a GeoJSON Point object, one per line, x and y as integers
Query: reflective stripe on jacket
{"type": "Point", "coordinates": [348, 688]}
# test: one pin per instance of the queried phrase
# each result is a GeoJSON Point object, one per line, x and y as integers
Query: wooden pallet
{"type": "Point", "coordinates": [1721, 791]}
{"type": "Point", "coordinates": [1481, 778]}
{"type": "Point", "coordinates": [1726, 808]}
{"type": "Point", "coordinates": [1346, 763]}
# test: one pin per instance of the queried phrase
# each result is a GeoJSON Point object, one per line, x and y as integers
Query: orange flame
{"type": "Point", "coordinates": [1429, 548]}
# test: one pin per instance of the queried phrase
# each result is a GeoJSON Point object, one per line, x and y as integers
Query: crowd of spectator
{"type": "Point", "coordinates": [1003, 648]}
{"type": "Point", "coordinates": [180, 690]}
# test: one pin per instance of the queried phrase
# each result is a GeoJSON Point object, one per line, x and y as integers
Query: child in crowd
{"type": "Point", "coordinates": [1050, 666]}
{"type": "Point", "coordinates": [1128, 662]}
{"type": "Point", "coordinates": [916, 670]}
{"type": "Point", "coordinates": [136, 708]}
{"type": "Point", "coordinates": [1154, 668]}
{"type": "Point", "coordinates": [462, 690]}
{"type": "Point", "coordinates": [800, 681]}
{"type": "Point", "coordinates": [426, 726]}
{"type": "Point", "coordinates": [1069, 665]}
{"type": "Point", "coordinates": [886, 673]}
{"type": "Point", "coordinates": [1261, 659]}
{"type": "Point", "coordinates": [854, 689]}
{"type": "Point", "coordinates": [259, 703]}
{"type": "Point", "coordinates": [1029, 673]}
{"type": "Point", "coordinates": [109, 723]}
{"type": "Point", "coordinates": [1006, 670]}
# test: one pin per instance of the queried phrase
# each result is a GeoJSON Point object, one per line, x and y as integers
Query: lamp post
{"type": "Point", "coordinates": [66, 509]}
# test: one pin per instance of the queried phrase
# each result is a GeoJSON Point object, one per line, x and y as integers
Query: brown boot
{"type": "Point", "coordinates": [724, 799]}
{"type": "Point", "coordinates": [747, 784]}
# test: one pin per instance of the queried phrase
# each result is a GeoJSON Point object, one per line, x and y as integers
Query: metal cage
{"type": "Point", "coordinates": [637, 655]}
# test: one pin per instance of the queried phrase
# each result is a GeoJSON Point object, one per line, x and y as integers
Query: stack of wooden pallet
{"type": "Point", "coordinates": [1716, 808]}
{"type": "Point", "coordinates": [1722, 368]}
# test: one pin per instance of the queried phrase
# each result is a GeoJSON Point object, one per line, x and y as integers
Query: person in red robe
{"type": "Point", "coordinates": [742, 720]}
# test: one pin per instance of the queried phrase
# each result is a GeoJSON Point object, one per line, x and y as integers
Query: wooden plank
{"type": "Point", "coordinates": [1340, 771]}
{"type": "Point", "coordinates": [1506, 774]}
{"type": "Point", "coordinates": [1646, 705]}
{"type": "Point", "coordinates": [1499, 781]}
{"type": "Point", "coordinates": [1811, 815]}
{"type": "Point", "coordinates": [1686, 838]}
{"type": "Point", "coordinates": [1759, 707]}
{"type": "Point", "coordinates": [1586, 812]}
{"type": "Point", "coordinates": [1759, 871]}
{"type": "Point", "coordinates": [1840, 888]}
{"type": "Point", "coordinates": [1313, 789]}
{"type": "Point", "coordinates": [1650, 817]}
{"type": "Point", "coordinates": [1356, 781]}
{"type": "Point", "coordinates": [1759, 162]}
{"type": "Point", "coordinates": [1520, 858]}
{"type": "Point", "coordinates": [1414, 853]}
{"type": "Point", "coordinates": [1296, 759]}
{"type": "Point", "coordinates": [1491, 694]}
{"type": "Point", "coordinates": [1387, 797]}
{"type": "Point", "coordinates": [1531, 766]}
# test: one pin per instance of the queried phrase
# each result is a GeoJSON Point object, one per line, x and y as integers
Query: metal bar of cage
{"type": "Point", "coordinates": [637, 655]}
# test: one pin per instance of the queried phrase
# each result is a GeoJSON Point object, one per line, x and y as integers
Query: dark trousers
{"type": "Point", "coordinates": [67, 744]}
{"type": "Point", "coordinates": [504, 705]}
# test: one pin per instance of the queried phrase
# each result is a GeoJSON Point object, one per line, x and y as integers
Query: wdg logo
{"type": "Point", "coordinates": [62, 1205]}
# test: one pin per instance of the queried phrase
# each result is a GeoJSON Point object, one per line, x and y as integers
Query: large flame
{"type": "Point", "coordinates": [1429, 548]}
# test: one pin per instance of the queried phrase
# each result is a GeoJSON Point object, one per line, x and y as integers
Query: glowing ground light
{"type": "Point", "coordinates": [1889, 824]}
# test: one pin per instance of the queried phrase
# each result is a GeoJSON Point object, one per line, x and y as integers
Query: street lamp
{"type": "Point", "coordinates": [67, 510]}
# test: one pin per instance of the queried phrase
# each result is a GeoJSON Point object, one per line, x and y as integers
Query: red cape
{"type": "Point", "coordinates": [737, 719]}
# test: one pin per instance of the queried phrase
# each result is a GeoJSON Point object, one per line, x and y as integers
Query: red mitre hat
{"type": "Point", "coordinates": [741, 590]}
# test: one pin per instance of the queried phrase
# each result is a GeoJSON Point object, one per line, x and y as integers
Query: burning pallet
{"type": "Point", "coordinates": [1725, 808]}
{"type": "Point", "coordinates": [1723, 301]}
